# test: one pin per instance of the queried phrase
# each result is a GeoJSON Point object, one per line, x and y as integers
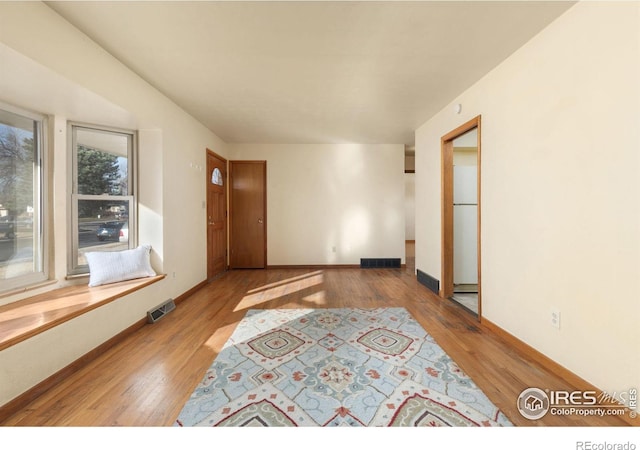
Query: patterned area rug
{"type": "Point", "coordinates": [335, 367]}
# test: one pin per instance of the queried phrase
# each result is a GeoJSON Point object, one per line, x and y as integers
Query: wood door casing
{"type": "Point", "coordinates": [446, 144]}
{"type": "Point", "coordinates": [248, 221]}
{"type": "Point", "coordinates": [216, 216]}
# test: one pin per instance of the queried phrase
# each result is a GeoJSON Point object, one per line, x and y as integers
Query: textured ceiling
{"type": "Point", "coordinates": [311, 72]}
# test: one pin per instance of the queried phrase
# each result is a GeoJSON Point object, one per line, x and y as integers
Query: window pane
{"type": "Point", "coordinates": [19, 197]}
{"type": "Point", "coordinates": [103, 208]}
{"type": "Point", "coordinates": [102, 162]}
{"type": "Point", "coordinates": [103, 225]}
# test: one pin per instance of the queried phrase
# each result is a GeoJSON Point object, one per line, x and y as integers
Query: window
{"type": "Point", "coordinates": [22, 254]}
{"type": "Point", "coordinates": [102, 196]}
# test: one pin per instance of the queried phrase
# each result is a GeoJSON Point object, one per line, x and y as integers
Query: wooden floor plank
{"type": "Point", "coordinates": [146, 379]}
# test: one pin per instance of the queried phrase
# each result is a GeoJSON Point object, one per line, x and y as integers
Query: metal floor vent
{"type": "Point", "coordinates": [428, 281]}
{"type": "Point", "coordinates": [379, 263]}
{"type": "Point", "coordinates": [160, 311]}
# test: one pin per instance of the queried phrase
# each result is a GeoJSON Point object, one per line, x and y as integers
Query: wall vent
{"type": "Point", "coordinates": [379, 263]}
{"type": "Point", "coordinates": [427, 280]}
{"type": "Point", "coordinates": [160, 311]}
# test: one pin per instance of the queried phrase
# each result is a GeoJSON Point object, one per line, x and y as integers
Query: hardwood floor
{"type": "Point", "coordinates": [146, 379]}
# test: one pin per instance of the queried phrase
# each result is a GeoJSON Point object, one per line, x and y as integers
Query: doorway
{"type": "Point", "coordinates": [216, 215]}
{"type": "Point", "coordinates": [248, 221]}
{"type": "Point", "coordinates": [461, 268]}
{"type": "Point", "coordinates": [410, 210]}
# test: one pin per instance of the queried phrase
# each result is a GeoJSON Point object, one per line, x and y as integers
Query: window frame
{"type": "Point", "coordinates": [73, 268]}
{"type": "Point", "coordinates": [42, 210]}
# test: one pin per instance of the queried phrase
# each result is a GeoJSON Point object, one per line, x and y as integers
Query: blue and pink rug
{"type": "Point", "coordinates": [335, 367]}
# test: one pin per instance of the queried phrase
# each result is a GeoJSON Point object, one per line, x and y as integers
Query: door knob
{"type": "Point", "coordinates": [259, 220]}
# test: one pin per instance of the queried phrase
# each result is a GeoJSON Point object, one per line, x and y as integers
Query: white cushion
{"type": "Point", "coordinates": [111, 267]}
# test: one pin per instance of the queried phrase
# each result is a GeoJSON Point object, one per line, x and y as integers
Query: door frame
{"type": "Point", "coordinates": [446, 145]}
{"type": "Point", "coordinates": [226, 203]}
{"type": "Point", "coordinates": [264, 206]}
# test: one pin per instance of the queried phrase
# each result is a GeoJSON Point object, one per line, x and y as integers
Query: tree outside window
{"type": "Point", "coordinates": [102, 198]}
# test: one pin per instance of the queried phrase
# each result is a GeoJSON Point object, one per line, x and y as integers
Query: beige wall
{"type": "Point", "coordinates": [51, 68]}
{"type": "Point", "coordinates": [560, 191]}
{"type": "Point", "coordinates": [331, 204]}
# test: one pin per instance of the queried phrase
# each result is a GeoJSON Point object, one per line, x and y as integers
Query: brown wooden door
{"type": "Point", "coordinates": [248, 221]}
{"type": "Point", "coordinates": [216, 215]}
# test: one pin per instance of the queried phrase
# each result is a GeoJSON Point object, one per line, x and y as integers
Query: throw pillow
{"type": "Point", "coordinates": [111, 267]}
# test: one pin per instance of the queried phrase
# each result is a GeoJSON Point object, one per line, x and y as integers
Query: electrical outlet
{"type": "Point", "coordinates": [555, 318]}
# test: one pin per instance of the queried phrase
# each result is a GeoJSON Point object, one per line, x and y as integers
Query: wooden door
{"type": "Point", "coordinates": [248, 220]}
{"type": "Point", "coordinates": [216, 215]}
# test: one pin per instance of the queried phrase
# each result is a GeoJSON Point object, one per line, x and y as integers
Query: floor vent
{"type": "Point", "coordinates": [380, 263]}
{"type": "Point", "coordinates": [427, 280]}
{"type": "Point", "coordinates": [160, 311]}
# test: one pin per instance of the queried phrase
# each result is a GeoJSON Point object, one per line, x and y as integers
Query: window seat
{"type": "Point", "coordinates": [26, 318]}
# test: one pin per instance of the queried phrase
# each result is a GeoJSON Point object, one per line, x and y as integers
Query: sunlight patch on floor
{"type": "Point", "coordinates": [319, 298]}
{"type": "Point", "coordinates": [221, 338]}
{"type": "Point", "coordinates": [221, 335]}
{"type": "Point", "coordinates": [279, 289]}
{"type": "Point", "coordinates": [287, 281]}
